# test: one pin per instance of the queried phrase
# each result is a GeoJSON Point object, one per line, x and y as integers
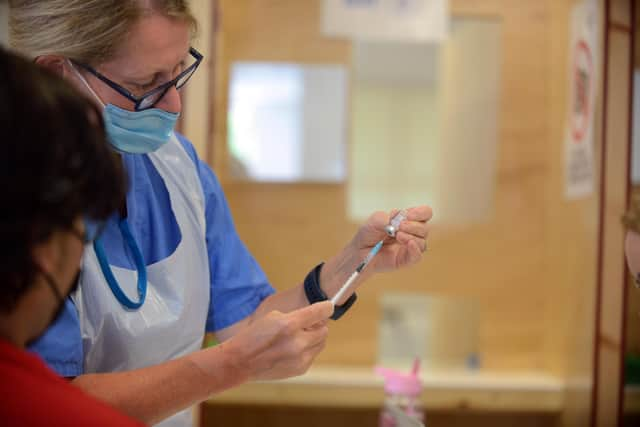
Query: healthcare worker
{"type": "Point", "coordinates": [169, 265]}
{"type": "Point", "coordinates": [55, 159]}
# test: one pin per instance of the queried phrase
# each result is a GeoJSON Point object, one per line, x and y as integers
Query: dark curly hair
{"type": "Point", "coordinates": [55, 167]}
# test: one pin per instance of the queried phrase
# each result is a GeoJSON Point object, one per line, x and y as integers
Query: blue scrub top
{"type": "Point", "coordinates": [237, 283]}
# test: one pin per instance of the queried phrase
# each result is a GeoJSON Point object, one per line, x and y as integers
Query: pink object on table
{"type": "Point", "coordinates": [396, 382]}
{"type": "Point", "coordinates": [402, 390]}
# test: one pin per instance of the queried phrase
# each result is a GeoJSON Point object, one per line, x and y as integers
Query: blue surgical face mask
{"type": "Point", "coordinates": [135, 132]}
{"type": "Point", "coordinates": [138, 132]}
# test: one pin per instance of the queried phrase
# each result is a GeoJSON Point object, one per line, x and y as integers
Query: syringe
{"type": "Point", "coordinates": [391, 230]}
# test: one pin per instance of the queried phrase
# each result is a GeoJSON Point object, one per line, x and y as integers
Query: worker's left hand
{"type": "Point", "coordinates": [404, 249]}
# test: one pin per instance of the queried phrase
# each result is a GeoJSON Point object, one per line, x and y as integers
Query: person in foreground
{"type": "Point", "coordinates": [56, 170]}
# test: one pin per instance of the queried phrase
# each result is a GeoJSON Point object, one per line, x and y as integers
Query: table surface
{"type": "Point", "coordinates": [444, 389]}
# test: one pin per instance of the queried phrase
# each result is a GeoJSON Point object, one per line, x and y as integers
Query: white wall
{"type": "Point", "coordinates": [425, 124]}
{"type": "Point", "coordinates": [287, 121]}
{"type": "Point", "coordinates": [470, 121]}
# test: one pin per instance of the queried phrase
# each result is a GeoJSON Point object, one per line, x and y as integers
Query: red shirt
{"type": "Point", "coordinates": [33, 395]}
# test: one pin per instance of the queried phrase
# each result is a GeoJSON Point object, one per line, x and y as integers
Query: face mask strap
{"type": "Point", "coordinates": [52, 284]}
{"type": "Point", "coordinates": [84, 81]}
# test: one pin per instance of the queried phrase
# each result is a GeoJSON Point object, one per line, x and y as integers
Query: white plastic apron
{"type": "Point", "coordinates": [171, 322]}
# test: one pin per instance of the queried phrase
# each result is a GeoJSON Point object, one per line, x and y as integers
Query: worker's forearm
{"type": "Point", "coordinates": [333, 275]}
{"type": "Point", "coordinates": [337, 270]}
{"type": "Point", "coordinates": [284, 301]}
{"type": "Point", "coordinates": [154, 393]}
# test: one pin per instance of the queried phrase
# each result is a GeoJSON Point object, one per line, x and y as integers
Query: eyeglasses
{"type": "Point", "coordinates": [92, 231]}
{"type": "Point", "coordinates": [151, 98]}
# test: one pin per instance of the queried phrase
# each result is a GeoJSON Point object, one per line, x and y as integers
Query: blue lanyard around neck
{"type": "Point", "coordinates": [140, 267]}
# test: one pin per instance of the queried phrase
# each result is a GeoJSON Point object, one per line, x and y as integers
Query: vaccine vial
{"type": "Point", "coordinates": [394, 224]}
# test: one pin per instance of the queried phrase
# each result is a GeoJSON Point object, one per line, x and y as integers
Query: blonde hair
{"type": "Point", "coordinates": [88, 31]}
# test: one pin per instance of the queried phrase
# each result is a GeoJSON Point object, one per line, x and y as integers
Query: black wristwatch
{"type": "Point", "coordinates": [315, 293]}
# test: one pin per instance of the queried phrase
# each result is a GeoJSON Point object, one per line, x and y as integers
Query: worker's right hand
{"type": "Point", "coordinates": [281, 345]}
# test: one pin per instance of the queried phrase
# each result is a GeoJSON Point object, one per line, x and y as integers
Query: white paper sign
{"type": "Point", "coordinates": [583, 79]}
{"type": "Point", "coordinates": [386, 20]}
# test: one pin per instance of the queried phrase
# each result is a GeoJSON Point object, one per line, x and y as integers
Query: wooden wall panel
{"type": "Point", "coordinates": [273, 30]}
{"type": "Point", "coordinates": [619, 13]}
{"type": "Point", "coordinates": [196, 114]}
{"type": "Point", "coordinates": [571, 245]}
{"type": "Point", "coordinates": [523, 282]}
{"type": "Point", "coordinates": [292, 227]}
{"type": "Point", "coordinates": [611, 290]}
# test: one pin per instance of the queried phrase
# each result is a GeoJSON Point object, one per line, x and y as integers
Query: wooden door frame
{"type": "Point", "coordinates": [602, 342]}
{"type": "Point", "coordinates": [625, 300]}
{"type": "Point", "coordinates": [209, 153]}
